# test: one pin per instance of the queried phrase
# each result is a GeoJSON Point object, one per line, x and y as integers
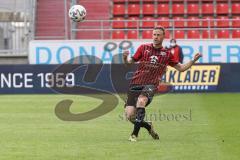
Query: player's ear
{"type": "Point", "coordinates": [163, 35]}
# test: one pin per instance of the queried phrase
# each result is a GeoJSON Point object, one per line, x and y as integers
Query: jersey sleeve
{"type": "Point", "coordinates": [172, 61]}
{"type": "Point", "coordinates": [138, 55]}
{"type": "Point", "coordinates": [180, 55]}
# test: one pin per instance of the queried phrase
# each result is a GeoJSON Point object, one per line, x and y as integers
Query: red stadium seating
{"type": "Point", "coordinates": [118, 22]}
{"type": "Point", "coordinates": [148, 9]}
{"type": "Point", "coordinates": [223, 34]}
{"type": "Point", "coordinates": [236, 33]}
{"type": "Point", "coordinates": [94, 12]}
{"type": "Point", "coordinates": [179, 34]}
{"type": "Point", "coordinates": [235, 8]}
{"type": "Point", "coordinates": [223, 21]}
{"type": "Point", "coordinates": [133, 22]}
{"type": "Point", "coordinates": [118, 34]}
{"type": "Point", "coordinates": [178, 1]}
{"type": "Point", "coordinates": [167, 34]}
{"type": "Point", "coordinates": [178, 22]}
{"type": "Point", "coordinates": [49, 19]}
{"type": "Point", "coordinates": [133, 1]}
{"type": "Point", "coordinates": [147, 34]}
{"type": "Point", "coordinates": [207, 8]}
{"type": "Point", "coordinates": [133, 9]}
{"type": "Point", "coordinates": [192, 8]}
{"type": "Point", "coordinates": [163, 9]}
{"type": "Point", "coordinates": [193, 22]}
{"type": "Point", "coordinates": [148, 22]}
{"type": "Point", "coordinates": [177, 9]}
{"type": "Point", "coordinates": [222, 8]}
{"type": "Point", "coordinates": [162, 1]}
{"type": "Point", "coordinates": [208, 34]}
{"type": "Point", "coordinates": [236, 22]}
{"type": "Point", "coordinates": [118, 1]}
{"type": "Point", "coordinates": [193, 0]}
{"type": "Point", "coordinates": [163, 21]}
{"type": "Point", "coordinates": [132, 34]}
{"type": "Point", "coordinates": [118, 9]}
{"type": "Point", "coordinates": [207, 20]}
{"type": "Point", "coordinates": [148, 1]}
{"type": "Point", "coordinates": [193, 34]}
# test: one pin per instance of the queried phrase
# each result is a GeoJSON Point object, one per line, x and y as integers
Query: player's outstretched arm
{"type": "Point", "coordinates": [186, 66]}
{"type": "Point", "coordinates": [125, 58]}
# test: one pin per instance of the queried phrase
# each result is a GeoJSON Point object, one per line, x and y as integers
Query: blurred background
{"type": "Point", "coordinates": [26, 20]}
{"type": "Point", "coordinates": [39, 32]}
{"type": "Point", "coordinates": [37, 37]}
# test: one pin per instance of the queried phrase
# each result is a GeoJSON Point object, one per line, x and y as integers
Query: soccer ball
{"type": "Point", "coordinates": [77, 13]}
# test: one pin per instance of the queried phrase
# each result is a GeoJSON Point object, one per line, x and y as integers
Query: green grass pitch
{"type": "Point", "coordinates": [207, 128]}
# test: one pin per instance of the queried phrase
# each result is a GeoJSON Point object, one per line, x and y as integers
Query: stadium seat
{"type": "Point", "coordinates": [222, 21]}
{"type": "Point", "coordinates": [179, 34]}
{"type": "Point", "coordinates": [167, 34]}
{"type": "Point", "coordinates": [178, 9]}
{"type": "Point", "coordinates": [177, 1]}
{"type": "Point", "coordinates": [163, 9]}
{"type": "Point", "coordinates": [236, 33]}
{"type": "Point", "coordinates": [193, 22]}
{"type": "Point", "coordinates": [147, 1]}
{"type": "Point", "coordinates": [148, 22]}
{"type": "Point", "coordinates": [118, 1]}
{"type": "Point", "coordinates": [223, 34]}
{"type": "Point", "coordinates": [207, 8]}
{"type": "Point", "coordinates": [133, 9]}
{"type": "Point", "coordinates": [162, 1]}
{"type": "Point", "coordinates": [192, 8]}
{"type": "Point", "coordinates": [193, 1]}
{"type": "Point", "coordinates": [118, 9]}
{"type": "Point", "coordinates": [133, 22]}
{"type": "Point", "coordinates": [235, 8]}
{"type": "Point", "coordinates": [222, 8]}
{"type": "Point", "coordinates": [147, 34]}
{"type": "Point", "coordinates": [193, 34]}
{"type": "Point", "coordinates": [207, 20]}
{"type": "Point", "coordinates": [236, 22]}
{"type": "Point", "coordinates": [118, 34]}
{"type": "Point", "coordinates": [178, 22]}
{"type": "Point", "coordinates": [148, 9]}
{"type": "Point", "coordinates": [132, 34]}
{"type": "Point", "coordinates": [163, 21]}
{"type": "Point", "coordinates": [206, 34]}
{"type": "Point", "coordinates": [118, 22]}
{"type": "Point", "coordinates": [133, 1]}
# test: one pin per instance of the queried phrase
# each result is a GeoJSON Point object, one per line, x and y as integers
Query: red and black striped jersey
{"type": "Point", "coordinates": [152, 63]}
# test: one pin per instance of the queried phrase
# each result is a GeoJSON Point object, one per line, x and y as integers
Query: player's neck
{"type": "Point", "coordinates": [157, 46]}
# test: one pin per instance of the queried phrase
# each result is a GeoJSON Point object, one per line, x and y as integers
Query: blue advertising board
{"type": "Point", "coordinates": [81, 79]}
{"type": "Point", "coordinates": [61, 51]}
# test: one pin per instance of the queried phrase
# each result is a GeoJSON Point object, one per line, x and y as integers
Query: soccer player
{"type": "Point", "coordinates": [152, 61]}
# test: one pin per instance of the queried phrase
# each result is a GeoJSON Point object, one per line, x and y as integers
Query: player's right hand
{"type": "Point", "coordinates": [197, 56]}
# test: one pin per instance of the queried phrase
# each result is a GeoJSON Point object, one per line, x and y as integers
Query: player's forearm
{"type": "Point", "coordinates": [186, 66]}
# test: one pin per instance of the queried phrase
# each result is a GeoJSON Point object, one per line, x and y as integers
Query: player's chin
{"type": "Point", "coordinates": [156, 42]}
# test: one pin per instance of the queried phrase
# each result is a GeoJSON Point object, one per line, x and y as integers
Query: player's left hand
{"type": "Point", "coordinates": [197, 56]}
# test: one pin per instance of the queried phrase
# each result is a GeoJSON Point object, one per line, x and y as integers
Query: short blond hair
{"type": "Point", "coordinates": [160, 28]}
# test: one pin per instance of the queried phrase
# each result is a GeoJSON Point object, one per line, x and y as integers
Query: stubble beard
{"type": "Point", "coordinates": [157, 44]}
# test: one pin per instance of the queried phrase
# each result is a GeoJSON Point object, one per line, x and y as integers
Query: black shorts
{"type": "Point", "coordinates": [136, 90]}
